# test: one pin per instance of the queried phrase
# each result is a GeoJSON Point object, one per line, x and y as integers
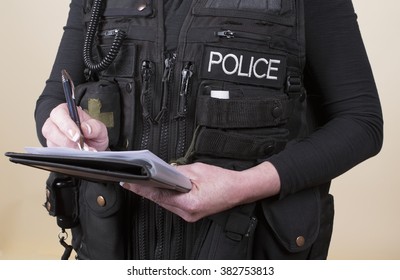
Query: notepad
{"type": "Point", "coordinates": [141, 166]}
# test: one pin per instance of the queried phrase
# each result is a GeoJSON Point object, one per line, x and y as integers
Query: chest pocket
{"type": "Point", "coordinates": [123, 7]}
{"type": "Point", "coordinates": [271, 10]}
{"type": "Point", "coordinates": [267, 5]}
{"type": "Point", "coordinates": [129, 8]}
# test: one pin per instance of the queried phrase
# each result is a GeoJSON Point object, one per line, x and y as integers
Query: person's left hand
{"type": "Point", "coordinates": [214, 190]}
{"type": "Point", "coordinates": [211, 192]}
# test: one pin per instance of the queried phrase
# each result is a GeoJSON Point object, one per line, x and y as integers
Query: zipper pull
{"type": "Point", "coordinates": [226, 34]}
{"type": "Point", "coordinates": [187, 73]}
{"type": "Point", "coordinates": [146, 71]}
{"type": "Point", "coordinates": [111, 32]}
{"type": "Point", "coordinates": [168, 66]}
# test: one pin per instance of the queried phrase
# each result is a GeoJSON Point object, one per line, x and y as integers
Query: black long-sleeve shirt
{"type": "Point", "coordinates": [337, 71]}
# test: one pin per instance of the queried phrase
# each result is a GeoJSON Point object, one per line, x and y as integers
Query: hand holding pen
{"type": "Point", "coordinates": [69, 91]}
{"type": "Point", "coordinates": [68, 125]}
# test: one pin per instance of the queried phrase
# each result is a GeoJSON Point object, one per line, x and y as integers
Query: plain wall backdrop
{"type": "Point", "coordinates": [367, 224]}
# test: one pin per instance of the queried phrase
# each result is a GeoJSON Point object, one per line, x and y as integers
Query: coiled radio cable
{"type": "Point", "coordinates": [105, 62]}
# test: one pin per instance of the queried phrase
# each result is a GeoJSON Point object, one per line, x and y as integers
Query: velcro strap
{"type": "Point", "coordinates": [242, 113]}
{"type": "Point", "coordinates": [237, 222]}
{"type": "Point", "coordinates": [229, 144]}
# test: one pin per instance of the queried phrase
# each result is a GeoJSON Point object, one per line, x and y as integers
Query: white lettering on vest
{"type": "Point", "coordinates": [212, 61]}
{"type": "Point", "coordinates": [238, 67]}
{"type": "Point", "coordinates": [270, 68]}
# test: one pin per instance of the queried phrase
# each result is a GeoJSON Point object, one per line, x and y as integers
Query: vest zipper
{"type": "Point", "coordinates": [184, 91]}
{"type": "Point", "coordinates": [163, 119]}
{"type": "Point", "coordinates": [187, 73]}
{"type": "Point", "coordinates": [177, 241]}
{"type": "Point", "coordinates": [143, 230]}
{"type": "Point", "coordinates": [229, 34]}
{"type": "Point", "coordinates": [145, 100]}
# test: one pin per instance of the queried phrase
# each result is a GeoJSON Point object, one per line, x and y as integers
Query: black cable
{"type": "Point", "coordinates": [90, 34]}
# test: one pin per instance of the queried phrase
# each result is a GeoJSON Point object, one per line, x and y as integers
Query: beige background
{"type": "Point", "coordinates": [367, 224]}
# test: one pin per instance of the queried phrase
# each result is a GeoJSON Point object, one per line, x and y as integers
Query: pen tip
{"type": "Point", "coordinates": [81, 143]}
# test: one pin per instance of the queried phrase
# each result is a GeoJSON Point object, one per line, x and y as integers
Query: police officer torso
{"type": "Point", "coordinates": [230, 94]}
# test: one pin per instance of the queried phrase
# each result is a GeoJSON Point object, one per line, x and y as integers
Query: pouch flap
{"type": "Point", "coordinates": [102, 199]}
{"type": "Point", "coordinates": [295, 220]}
{"type": "Point", "coordinates": [275, 11]}
{"type": "Point", "coordinates": [138, 8]}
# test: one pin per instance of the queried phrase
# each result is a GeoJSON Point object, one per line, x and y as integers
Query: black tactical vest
{"type": "Point", "coordinates": [230, 95]}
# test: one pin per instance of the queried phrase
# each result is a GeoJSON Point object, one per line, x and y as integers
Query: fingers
{"type": "Point", "coordinates": [61, 131]}
{"type": "Point", "coordinates": [95, 134]}
{"type": "Point", "coordinates": [61, 119]}
{"type": "Point", "coordinates": [211, 192]}
{"type": "Point", "coordinates": [56, 137]}
{"type": "Point", "coordinates": [184, 205]}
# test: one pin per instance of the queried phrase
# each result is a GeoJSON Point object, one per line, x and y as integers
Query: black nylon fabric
{"type": "Point", "coordinates": [263, 61]}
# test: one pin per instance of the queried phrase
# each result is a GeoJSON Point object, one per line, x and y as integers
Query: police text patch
{"type": "Point", "coordinates": [243, 66]}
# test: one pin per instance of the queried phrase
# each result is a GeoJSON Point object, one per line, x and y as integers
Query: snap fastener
{"type": "Point", "coordinates": [141, 6]}
{"type": "Point", "coordinates": [300, 241]}
{"type": "Point", "coordinates": [101, 201]}
{"type": "Point", "coordinates": [277, 111]}
{"type": "Point", "coordinates": [129, 87]}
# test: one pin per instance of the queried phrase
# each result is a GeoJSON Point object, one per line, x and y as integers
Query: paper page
{"type": "Point", "coordinates": [126, 155]}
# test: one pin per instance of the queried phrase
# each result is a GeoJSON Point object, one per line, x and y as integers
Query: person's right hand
{"type": "Point", "coordinates": [61, 131]}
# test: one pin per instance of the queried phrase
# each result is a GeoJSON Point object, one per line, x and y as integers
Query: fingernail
{"type": "Point", "coordinates": [86, 147]}
{"type": "Point", "coordinates": [74, 137]}
{"type": "Point", "coordinates": [121, 184]}
{"type": "Point", "coordinates": [89, 128]}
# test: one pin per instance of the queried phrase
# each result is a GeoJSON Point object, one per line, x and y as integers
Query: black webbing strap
{"type": "Point", "coordinates": [240, 113]}
{"type": "Point", "coordinates": [229, 144]}
{"type": "Point", "coordinates": [237, 222]}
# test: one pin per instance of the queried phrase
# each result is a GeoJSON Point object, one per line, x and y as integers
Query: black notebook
{"type": "Point", "coordinates": [141, 167]}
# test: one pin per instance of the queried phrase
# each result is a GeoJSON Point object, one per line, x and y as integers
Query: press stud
{"type": "Point", "coordinates": [300, 241]}
{"type": "Point", "coordinates": [101, 201]}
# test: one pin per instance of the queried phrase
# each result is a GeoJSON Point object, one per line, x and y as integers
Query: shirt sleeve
{"type": "Point", "coordinates": [69, 57]}
{"type": "Point", "coordinates": [339, 77]}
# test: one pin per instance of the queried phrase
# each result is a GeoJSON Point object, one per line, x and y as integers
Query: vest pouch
{"type": "Point", "coordinates": [102, 101]}
{"type": "Point", "coordinates": [137, 8]}
{"type": "Point", "coordinates": [274, 11]}
{"type": "Point", "coordinates": [294, 222]}
{"type": "Point", "coordinates": [62, 199]}
{"type": "Point", "coordinates": [101, 232]}
{"type": "Point", "coordinates": [237, 149]}
{"type": "Point", "coordinates": [239, 132]}
{"type": "Point", "coordinates": [247, 107]}
{"type": "Point", "coordinates": [121, 72]}
{"type": "Point", "coordinates": [124, 64]}
{"type": "Point", "coordinates": [229, 235]}
{"type": "Point", "coordinates": [121, 8]}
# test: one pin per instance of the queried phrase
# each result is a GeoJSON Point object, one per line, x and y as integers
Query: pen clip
{"type": "Point", "coordinates": [67, 78]}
